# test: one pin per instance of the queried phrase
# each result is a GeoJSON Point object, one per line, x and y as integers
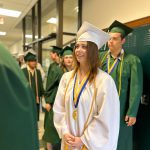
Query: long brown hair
{"type": "Point", "coordinates": [92, 59]}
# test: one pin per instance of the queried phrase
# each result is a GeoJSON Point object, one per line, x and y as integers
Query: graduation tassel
{"type": "Point", "coordinates": [36, 83]}
{"type": "Point", "coordinates": [66, 147]}
{"type": "Point", "coordinates": [84, 147]}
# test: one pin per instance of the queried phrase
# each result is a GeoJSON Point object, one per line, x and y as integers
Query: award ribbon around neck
{"type": "Point", "coordinates": [77, 90]}
{"type": "Point", "coordinates": [111, 68]}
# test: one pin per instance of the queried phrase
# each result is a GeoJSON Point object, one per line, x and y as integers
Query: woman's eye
{"type": "Point", "coordinates": [76, 46]}
{"type": "Point", "coordinates": [84, 47]}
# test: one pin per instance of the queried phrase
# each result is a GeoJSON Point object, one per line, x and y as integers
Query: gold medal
{"type": "Point", "coordinates": [74, 114]}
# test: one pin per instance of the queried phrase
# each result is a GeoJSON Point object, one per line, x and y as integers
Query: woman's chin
{"type": "Point", "coordinates": [79, 60]}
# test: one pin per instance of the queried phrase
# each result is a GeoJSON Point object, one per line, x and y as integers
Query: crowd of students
{"type": "Point", "coordinates": [91, 97]}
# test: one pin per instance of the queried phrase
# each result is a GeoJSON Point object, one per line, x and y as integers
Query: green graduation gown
{"type": "Point", "coordinates": [53, 78]}
{"type": "Point", "coordinates": [33, 86]}
{"type": "Point", "coordinates": [131, 91]}
{"type": "Point", "coordinates": [18, 126]}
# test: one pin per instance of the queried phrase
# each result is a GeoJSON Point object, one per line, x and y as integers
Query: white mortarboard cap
{"type": "Point", "coordinates": [89, 32]}
{"type": "Point", "coordinates": [30, 51]}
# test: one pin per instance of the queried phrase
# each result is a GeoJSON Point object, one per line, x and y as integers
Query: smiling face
{"type": "Point", "coordinates": [86, 54]}
{"type": "Point", "coordinates": [68, 60]}
{"type": "Point", "coordinates": [81, 52]}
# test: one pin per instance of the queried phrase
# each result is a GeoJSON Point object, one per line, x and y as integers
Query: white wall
{"type": "Point", "coordinates": [70, 24]}
{"type": "Point", "coordinates": [103, 12]}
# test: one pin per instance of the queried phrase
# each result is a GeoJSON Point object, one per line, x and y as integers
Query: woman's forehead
{"type": "Point", "coordinates": [82, 42]}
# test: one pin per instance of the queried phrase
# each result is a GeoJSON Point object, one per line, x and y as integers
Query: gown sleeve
{"type": "Point", "coordinates": [18, 128]}
{"type": "Point", "coordinates": [102, 132]}
{"type": "Point", "coordinates": [136, 86]}
{"type": "Point", "coordinates": [53, 86]}
{"type": "Point", "coordinates": [59, 109]}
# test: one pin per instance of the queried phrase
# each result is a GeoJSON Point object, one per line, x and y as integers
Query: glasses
{"type": "Point", "coordinates": [115, 39]}
{"type": "Point", "coordinates": [84, 47]}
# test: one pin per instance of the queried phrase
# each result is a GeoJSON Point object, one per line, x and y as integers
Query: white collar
{"type": "Point", "coordinates": [122, 51]}
{"type": "Point", "coordinates": [30, 70]}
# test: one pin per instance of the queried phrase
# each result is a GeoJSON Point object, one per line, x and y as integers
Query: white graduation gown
{"type": "Point", "coordinates": [103, 125]}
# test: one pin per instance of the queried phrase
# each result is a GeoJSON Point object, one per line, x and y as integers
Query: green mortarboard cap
{"type": "Point", "coordinates": [56, 49]}
{"type": "Point", "coordinates": [118, 27]}
{"type": "Point", "coordinates": [67, 51]}
{"type": "Point", "coordinates": [30, 55]}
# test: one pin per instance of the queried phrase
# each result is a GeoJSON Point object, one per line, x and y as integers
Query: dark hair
{"type": "Point", "coordinates": [55, 52]}
{"type": "Point", "coordinates": [93, 59]}
{"type": "Point", "coordinates": [122, 37]}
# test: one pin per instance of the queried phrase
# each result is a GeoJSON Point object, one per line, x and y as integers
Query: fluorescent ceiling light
{"type": "Point", "coordinates": [52, 20]}
{"type": "Point", "coordinates": [36, 37]}
{"type": "Point", "coordinates": [2, 33]}
{"type": "Point", "coordinates": [10, 13]}
{"type": "Point", "coordinates": [29, 36]}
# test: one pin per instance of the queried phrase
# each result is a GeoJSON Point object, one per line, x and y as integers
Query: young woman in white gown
{"type": "Point", "coordinates": [86, 108]}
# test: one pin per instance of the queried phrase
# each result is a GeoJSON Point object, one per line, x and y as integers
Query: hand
{"type": "Point", "coordinates": [48, 107]}
{"type": "Point", "coordinates": [130, 121]}
{"type": "Point", "coordinates": [68, 137]}
{"type": "Point", "coordinates": [73, 141]}
{"type": "Point", "coordinates": [77, 143]}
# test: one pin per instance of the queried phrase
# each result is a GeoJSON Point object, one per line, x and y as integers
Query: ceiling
{"type": "Point", "coordinates": [13, 26]}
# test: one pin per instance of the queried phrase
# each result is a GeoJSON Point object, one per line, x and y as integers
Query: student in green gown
{"type": "Point", "coordinates": [54, 75]}
{"type": "Point", "coordinates": [126, 71]}
{"type": "Point", "coordinates": [18, 126]}
{"type": "Point", "coordinates": [67, 59]}
{"type": "Point", "coordinates": [34, 78]}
